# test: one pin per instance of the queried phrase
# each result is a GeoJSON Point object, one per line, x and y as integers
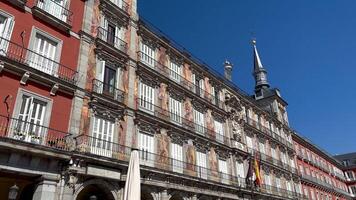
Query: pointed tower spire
{"type": "Point", "coordinates": [259, 72]}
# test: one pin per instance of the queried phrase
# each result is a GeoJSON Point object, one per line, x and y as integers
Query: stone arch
{"type": "Point", "coordinates": [101, 188]}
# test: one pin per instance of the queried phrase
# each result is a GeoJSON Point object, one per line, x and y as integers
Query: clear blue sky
{"type": "Point", "coordinates": [308, 48]}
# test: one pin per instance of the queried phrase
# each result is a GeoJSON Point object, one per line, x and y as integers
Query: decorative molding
{"type": "Point", "coordinates": [175, 94]}
{"type": "Point", "coordinates": [198, 106]}
{"type": "Point", "coordinates": [105, 111]}
{"type": "Point", "coordinates": [147, 79]}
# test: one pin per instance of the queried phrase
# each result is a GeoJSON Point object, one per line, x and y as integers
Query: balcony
{"type": "Point", "coordinates": [281, 192]}
{"type": "Point", "coordinates": [180, 121]}
{"type": "Point", "coordinates": [116, 8]}
{"type": "Point", "coordinates": [53, 12]}
{"type": "Point", "coordinates": [111, 43]}
{"type": "Point", "coordinates": [179, 79]}
{"type": "Point", "coordinates": [35, 134]}
{"type": "Point", "coordinates": [269, 159]}
{"type": "Point", "coordinates": [267, 131]}
{"type": "Point", "coordinates": [18, 3]}
{"type": "Point", "coordinates": [95, 146]}
{"type": "Point", "coordinates": [107, 91]}
{"type": "Point", "coordinates": [24, 60]}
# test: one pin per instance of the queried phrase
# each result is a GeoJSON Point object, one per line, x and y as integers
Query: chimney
{"type": "Point", "coordinates": [228, 70]}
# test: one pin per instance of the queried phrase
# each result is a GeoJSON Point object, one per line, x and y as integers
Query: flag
{"type": "Point", "coordinates": [249, 174]}
{"type": "Point", "coordinates": [258, 180]}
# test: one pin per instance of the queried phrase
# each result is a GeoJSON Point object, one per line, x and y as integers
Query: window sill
{"type": "Point", "coordinates": [18, 3]}
{"type": "Point", "coordinates": [50, 19]}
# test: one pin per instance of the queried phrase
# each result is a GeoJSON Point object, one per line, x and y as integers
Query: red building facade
{"type": "Point", "coordinates": [321, 175]}
{"type": "Point", "coordinates": [40, 47]}
{"type": "Point", "coordinates": [349, 167]}
{"type": "Point", "coordinates": [39, 52]}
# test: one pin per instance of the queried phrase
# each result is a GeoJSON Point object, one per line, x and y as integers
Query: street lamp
{"type": "Point", "coordinates": [13, 191]}
{"type": "Point", "coordinates": [93, 197]}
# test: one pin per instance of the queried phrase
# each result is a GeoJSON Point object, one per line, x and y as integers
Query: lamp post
{"type": "Point", "coordinates": [13, 192]}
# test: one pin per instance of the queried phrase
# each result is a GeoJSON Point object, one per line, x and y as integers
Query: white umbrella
{"type": "Point", "coordinates": [132, 184]}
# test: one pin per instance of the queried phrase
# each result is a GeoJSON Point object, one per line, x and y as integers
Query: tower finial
{"type": "Point", "coordinates": [259, 72]}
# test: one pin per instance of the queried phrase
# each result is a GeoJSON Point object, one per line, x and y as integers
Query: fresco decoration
{"type": "Point", "coordinates": [162, 157]}
{"type": "Point", "coordinates": [163, 101]}
{"type": "Point", "coordinates": [125, 82]}
{"type": "Point", "coordinates": [188, 119]}
{"type": "Point", "coordinates": [84, 125]}
{"type": "Point", "coordinates": [207, 88]}
{"type": "Point", "coordinates": [213, 164]}
{"type": "Point", "coordinates": [91, 67]}
{"type": "Point", "coordinates": [136, 94]}
{"type": "Point", "coordinates": [210, 124]}
{"type": "Point", "coordinates": [163, 61]}
{"type": "Point", "coordinates": [95, 22]}
{"type": "Point", "coordinates": [187, 74]}
{"type": "Point", "coordinates": [190, 167]}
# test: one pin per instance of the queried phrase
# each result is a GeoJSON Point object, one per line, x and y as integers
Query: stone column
{"type": "Point", "coordinates": [164, 195]}
{"type": "Point", "coordinates": [46, 189]}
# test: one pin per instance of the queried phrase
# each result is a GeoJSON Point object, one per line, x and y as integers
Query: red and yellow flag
{"type": "Point", "coordinates": [258, 181]}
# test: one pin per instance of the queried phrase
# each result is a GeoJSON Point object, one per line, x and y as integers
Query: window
{"type": "Point", "coordinates": [289, 185]}
{"type": "Point", "coordinates": [262, 147]}
{"type": "Point", "coordinates": [201, 165]}
{"type": "Point", "coordinates": [147, 97]}
{"type": "Point", "coordinates": [146, 146]}
{"type": "Point", "coordinates": [216, 95]}
{"type": "Point", "coordinates": [177, 156]}
{"type": "Point", "coordinates": [57, 8]}
{"type": "Point", "coordinates": [106, 79]}
{"type": "Point", "coordinates": [111, 33]}
{"type": "Point", "coordinates": [249, 142]}
{"type": "Point", "coordinates": [278, 182]}
{"type": "Point", "coordinates": [201, 88]}
{"type": "Point", "coordinates": [306, 192]}
{"type": "Point", "coordinates": [346, 162]}
{"type": "Point", "coordinates": [33, 114]}
{"type": "Point", "coordinates": [6, 26]}
{"type": "Point", "coordinates": [199, 122]}
{"type": "Point", "coordinates": [175, 109]}
{"type": "Point", "coordinates": [301, 169]}
{"type": "Point", "coordinates": [267, 179]}
{"type": "Point", "coordinates": [218, 126]}
{"type": "Point", "coordinates": [147, 54]}
{"type": "Point", "coordinates": [175, 71]}
{"type": "Point", "coordinates": [312, 194]}
{"type": "Point", "coordinates": [102, 137]}
{"type": "Point", "coordinates": [223, 170]}
{"type": "Point", "coordinates": [273, 153]}
{"type": "Point", "coordinates": [240, 171]}
{"type": "Point", "coordinates": [45, 52]}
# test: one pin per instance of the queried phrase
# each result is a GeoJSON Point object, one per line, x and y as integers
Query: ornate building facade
{"type": "Point", "coordinates": [349, 167]}
{"type": "Point", "coordinates": [132, 87]}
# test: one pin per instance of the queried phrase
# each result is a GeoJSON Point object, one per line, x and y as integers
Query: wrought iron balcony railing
{"type": "Point", "coordinates": [281, 192]}
{"type": "Point", "coordinates": [112, 39]}
{"type": "Point", "coordinates": [181, 121]}
{"type": "Point", "coordinates": [108, 90]}
{"type": "Point", "coordinates": [58, 9]}
{"type": "Point", "coordinates": [268, 131]}
{"type": "Point", "coordinates": [271, 160]}
{"type": "Point", "coordinates": [15, 52]}
{"type": "Point", "coordinates": [37, 134]}
{"type": "Point", "coordinates": [90, 145]}
{"type": "Point", "coordinates": [178, 78]}
{"type": "Point", "coordinates": [121, 4]}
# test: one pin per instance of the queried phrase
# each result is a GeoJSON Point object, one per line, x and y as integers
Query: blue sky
{"type": "Point", "coordinates": [307, 47]}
